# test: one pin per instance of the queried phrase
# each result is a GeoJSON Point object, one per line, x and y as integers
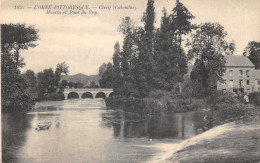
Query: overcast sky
{"type": "Point", "coordinates": [86, 41]}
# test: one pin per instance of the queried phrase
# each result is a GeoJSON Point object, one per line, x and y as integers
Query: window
{"type": "Point", "coordinates": [241, 83]}
{"type": "Point", "coordinates": [258, 82]}
{"type": "Point", "coordinates": [241, 72]}
{"type": "Point", "coordinates": [247, 82]}
{"type": "Point", "coordinates": [230, 72]}
{"type": "Point", "coordinates": [247, 73]}
{"type": "Point", "coordinates": [231, 83]}
{"type": "Point", "coordinates": [224, 82]}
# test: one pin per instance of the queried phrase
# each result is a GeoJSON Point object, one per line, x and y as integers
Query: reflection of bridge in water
{"type": "Point", "coordinates": [84, 91]}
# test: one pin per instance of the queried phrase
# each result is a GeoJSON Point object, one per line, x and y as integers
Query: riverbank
{"type": "Point", "coordinates": [236, 142]}
{"type": "Point", "coordinates": [220, 107]}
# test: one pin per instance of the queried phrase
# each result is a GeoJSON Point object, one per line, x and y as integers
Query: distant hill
{"type": "Point", "coordinates": [85, 79]}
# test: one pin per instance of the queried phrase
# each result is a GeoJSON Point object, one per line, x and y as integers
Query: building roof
{"type": "Point", "coordinates": [257, 74]}
{"type": "Point", "coordinates": [238, 61]}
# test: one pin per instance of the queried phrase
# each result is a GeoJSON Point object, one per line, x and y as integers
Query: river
{"type": "Point", "coordinates": [86, 131]}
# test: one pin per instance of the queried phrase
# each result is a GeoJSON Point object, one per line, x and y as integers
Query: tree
{"type": "Point", "coordinates": [47, 81]}
{"type": "Point", "coordinates": [14, 97]}
{"type": "Point", "coordinates": [16, 90]}
{"type": "Point", "coordinates": [93, 85]}
{"type": "Point", "coordinates": [15, 37]}
{"type": "Point", "coordinates": [71, 84]}
{"type": "Point", "coordinates": [61, 68]}
{"type": "Point", "coordinates": [253, 52]}
{"type": "Point", "coordinates": [180, 21]}
{"type": "Point", "coordinates": [63, 85]}
{"type": "Point", "coordinates": [117, 78]}
{"type": "Point", "coordinates": [78, 85]}
{"type": "Point", "coordinates": [126, 56]}
{"type": "Point", "coordinates": [143, 63]}
{"type": "Point", "coordinates": [31, 81]}
{"type": "Point", "coordinates": [170, 62]}
{"type": "Point", "coordinates": [209, 46]}
{"type": "Point", "coordinates": [30, 78]}
{"type": "Point", "coordinates": [106, 80]}
{"type": "Point", "coordinates": [102, 69]}
{"type": "Point", "coordinates": [199, 76]}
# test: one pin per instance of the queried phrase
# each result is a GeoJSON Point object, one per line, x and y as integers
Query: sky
{"type": "Point", "coordinates": [85, 41]}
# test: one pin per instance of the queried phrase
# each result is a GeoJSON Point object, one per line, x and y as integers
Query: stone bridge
{"type": "Point", "coordinates": [92, 91]}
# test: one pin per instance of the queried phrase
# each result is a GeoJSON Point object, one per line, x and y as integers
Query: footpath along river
{"type": "Point", "coordinates": [86, 131]}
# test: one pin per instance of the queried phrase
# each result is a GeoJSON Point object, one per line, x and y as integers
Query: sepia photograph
{"type": "Point", "coordinates": [130, 81]}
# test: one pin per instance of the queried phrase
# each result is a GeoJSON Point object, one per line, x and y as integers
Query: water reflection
{"type": "Point", "coordinates": [14, 128]}
{"type": "Point", "coordinates": [177, 126]}
{"type": "Point", "coordinates": [85, 131]}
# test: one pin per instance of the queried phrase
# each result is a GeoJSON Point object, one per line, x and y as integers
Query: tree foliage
{"type": "Point", "coordinates": [253, 52]}
{"type": "Point", "coordinates": [106, 80]}
{"type": "Point", "coordinates": [209, 46]}
{"type": "Point", "coordinates": [49, 81]}
{"type": "Point", "coordinates": [14, 97]}
{"type": "Point", "coordinates": [15, 37]}
{"type": "Point", "coordinates": [17, 93]}
{"type": "Point", "coordinates": [102, 69]}
{"type": "Point", "coordinates": [117, 80]}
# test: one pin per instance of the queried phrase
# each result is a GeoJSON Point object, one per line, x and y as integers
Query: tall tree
{"type": "Point", "coordinates": [144, 64]}
{"type": "Point", "coordinates": [169, 59]}
{"type": "Point", "coordinates": [117, 77]}
{"type": "Point", "coordinates": [127, 27]}
{"type": "Point", "coordinates": [208, 45]}
{"type": "Point", "coordinates": [253, 52]}
{"type": "Point", "coordinates": [180, 21]}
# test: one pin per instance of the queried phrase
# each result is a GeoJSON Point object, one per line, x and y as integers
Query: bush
{"type": "Point", "coordinates": [134, 105]}
{"type": "Point", "coordinates": [254, 98]}
{"type": "Point", "coordinates": [194, 89]}
{"type": "Point", "coordinates": [15, 96]}
{"type": "Point", "coordinates": [52, 97]}
{"type": "Point", "coordinates": [220, 99]}
{"type": "Point", "coordinates": [184, 105]}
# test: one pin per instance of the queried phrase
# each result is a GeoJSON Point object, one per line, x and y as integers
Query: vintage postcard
{"type": "Point", "coordinates": [118, 81]}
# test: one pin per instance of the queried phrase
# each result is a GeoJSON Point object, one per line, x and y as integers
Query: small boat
{"type": "Point", "coordinates": [44, 126]}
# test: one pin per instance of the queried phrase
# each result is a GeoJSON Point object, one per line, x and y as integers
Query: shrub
{"type": "Point", "coordinates": [194, 89]}
{"type": "Point", "coordinates": [15, 96]}
{"type": "Point", "coordinates": [254, 98]}
{"type": "Point", "coordinates": [220, 99]}
{"type": "Point", "coordinates": [134, 105]}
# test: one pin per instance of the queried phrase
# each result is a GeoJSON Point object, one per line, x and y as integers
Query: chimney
{"type": "Point", "coordinates": [177, 1]}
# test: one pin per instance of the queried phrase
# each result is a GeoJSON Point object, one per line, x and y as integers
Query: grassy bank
{"type": "Point", "coordinates": [232, 142]}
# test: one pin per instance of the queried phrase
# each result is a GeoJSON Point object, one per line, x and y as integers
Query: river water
{"type": "Point", "coordinates": [86, 131]}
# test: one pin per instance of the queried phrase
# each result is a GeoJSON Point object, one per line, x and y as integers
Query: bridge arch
{"type": "Point", "coordinates": [87, 95]}
{"type": "Point", "coordinates": [73, 95]}
{"type": "Point", "coordinates": [100, 95]}
{"type": "Point", "coordinates": [111, 94]}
